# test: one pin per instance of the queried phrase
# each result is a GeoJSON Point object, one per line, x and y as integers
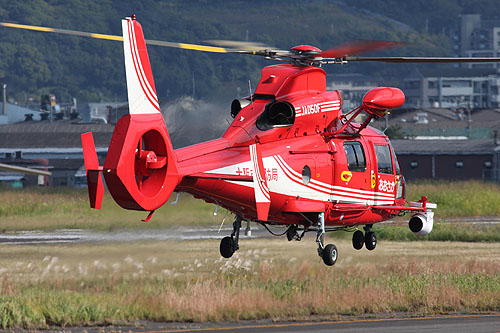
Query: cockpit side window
{"type": "Point", "coordinates": [355, 156]}
{"type": "Point", "coordinates": [396, 162]}
{"type": "Point", "coordinates": [384, 160]}
{"type": "Point", "coordinates": [276, 114]}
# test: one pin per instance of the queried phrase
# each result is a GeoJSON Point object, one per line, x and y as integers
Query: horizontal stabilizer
{"type": "Point", "coordinates": [89, 153]}
{"type": "Point", "coordinates": [96, 188]}
{"type": "Point", "coordinates": [94, 178]}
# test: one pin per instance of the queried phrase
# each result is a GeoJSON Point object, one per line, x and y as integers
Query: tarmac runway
{"type": "Point", "coordinates": [89, 236]}
{"type": "Point", "coordinates": [455, 324]}
{"type": "Point", "coordinates": [135, 235]}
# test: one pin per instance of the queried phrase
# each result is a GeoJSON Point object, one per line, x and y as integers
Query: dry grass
{"type": "Point", "coordinates": [276, 279]}
{"type": "Point", "coordinates": [459, 198]}
{"type": "Point", "coordinates": [57, 208]}
{"type": "Point", "coordinates": [188, 281]}
{"type": "Point", "coordinates": [68, 208]}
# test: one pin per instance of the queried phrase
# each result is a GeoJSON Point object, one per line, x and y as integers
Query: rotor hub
{"type": "Point", "coordinates": [304, 49]}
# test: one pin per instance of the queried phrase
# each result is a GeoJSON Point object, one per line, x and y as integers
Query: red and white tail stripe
{"type": "Point", "coordinates": [262, 195]}
{"type": "Point", "coordinates": [140, 84]}
{"type": "Point", "coordinates": [305, 110]}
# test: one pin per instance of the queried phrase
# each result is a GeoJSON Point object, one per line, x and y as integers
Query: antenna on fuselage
{"type": "Point", "coordinates": [250, 91]}
{"type": "Point", "coordinates": [386, 118]}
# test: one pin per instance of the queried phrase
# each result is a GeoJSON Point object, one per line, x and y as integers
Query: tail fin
{"type": "Point", "coordinates": [142, 96]}
{"type": "Point", "coordinates": [94, 179]}
{"type": "Point", "coordinates": [140, 167]}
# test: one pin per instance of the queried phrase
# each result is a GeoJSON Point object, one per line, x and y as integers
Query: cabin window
{"type": "Point", "coordinates": [276, 114]}
{"type": "Point", "coordinates": [355, 156]}
{"type": "Point", "coordinates": [396, 162]}
{"type": "Point", "coordinates": [384, 161]}
{"type": "Point", "coordinates": [306, 175]}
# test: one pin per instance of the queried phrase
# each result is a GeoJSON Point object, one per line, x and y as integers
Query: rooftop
{"type": "Point", "coordinates": [453, 72]}
{"type": "Point", "coordinates": [444, 147]}
{"type": "Point", "coordinates": [39, 135]}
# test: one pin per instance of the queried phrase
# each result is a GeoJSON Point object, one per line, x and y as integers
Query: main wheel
{"type": "Point", "coordinates": [358, 239]}
{"type": "Point", "coordinates": [227, 247]}
{"type": "Point", "coordinates": [330, 255]}
{"type": "Point", "coordinates": [370, 240]}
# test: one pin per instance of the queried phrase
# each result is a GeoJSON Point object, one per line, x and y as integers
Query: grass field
{"type": "Point", "coordinates": [98, 284]}
{"type": "Point", "coordinates": [267, 279]}
{"type": "Point", "coordinates": [65, 208]}
{"type": "Point", "coordinates": [459, 198]}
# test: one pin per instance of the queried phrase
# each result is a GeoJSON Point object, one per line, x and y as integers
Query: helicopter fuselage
{"type": "Point", "coordinates": [306, 171]}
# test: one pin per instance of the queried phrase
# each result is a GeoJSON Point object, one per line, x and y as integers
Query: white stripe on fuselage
{"type": "Point", "coordinates": [282, 179]}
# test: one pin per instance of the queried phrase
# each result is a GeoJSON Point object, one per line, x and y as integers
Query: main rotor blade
{"type": "Point", "coordinates": [19, 169]}
{"type": "Point", "coordinates": [185, 46]}
{"type": "Point", "coordinates": [358, 47]}
{"type": "Point", "coordinates": [240, 45]}
{"type": "Point", "coordinates": [421, 59]}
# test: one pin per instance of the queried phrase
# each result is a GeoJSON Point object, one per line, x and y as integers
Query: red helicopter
{"type": "Point", "coordinates": [290, 157]}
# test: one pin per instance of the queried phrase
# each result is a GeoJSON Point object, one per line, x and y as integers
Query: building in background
{"type": "Point", "coordinates": [353, 86]}
{"type": "Point", "coordinates": [453, 88]}
{"type": "Point", "coordinates": [449, 159]}
{"type": "Point", "coordinates": [474, 37]}
{"type": "Point", "coordinates": [15, 113]}
{"type": "Point", "coordinates": [103, 113]}
{"type": "Point", "coordinates": [57, 144]}
{"type": "Point", "coordinates": [443, 123]}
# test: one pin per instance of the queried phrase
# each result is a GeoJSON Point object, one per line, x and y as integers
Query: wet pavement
{"type": "Point", "coordinates": [133, 235]}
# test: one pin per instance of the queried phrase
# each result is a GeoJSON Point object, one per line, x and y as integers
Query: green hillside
{"type": "Point", "coordinates": [32, 63]}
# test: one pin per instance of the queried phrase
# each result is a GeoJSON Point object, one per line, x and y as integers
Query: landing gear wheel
{"type": "Point", "coordinates": [330, 255]}
{"type": "Point", "coordinates": [291, 233]}
{"type": "Point", "coordinates": [358, 239]}
{"type": "Point", "coordinates": [370, 240]}
{"type": "Point", "coordinates": [227, 247]}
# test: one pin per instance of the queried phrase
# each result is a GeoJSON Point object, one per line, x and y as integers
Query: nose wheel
{"type": "Point", "coordinates": [328, 253]}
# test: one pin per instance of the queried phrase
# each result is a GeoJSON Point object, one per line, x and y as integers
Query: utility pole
{"type": "Point", "coordinates": [4, 100]}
